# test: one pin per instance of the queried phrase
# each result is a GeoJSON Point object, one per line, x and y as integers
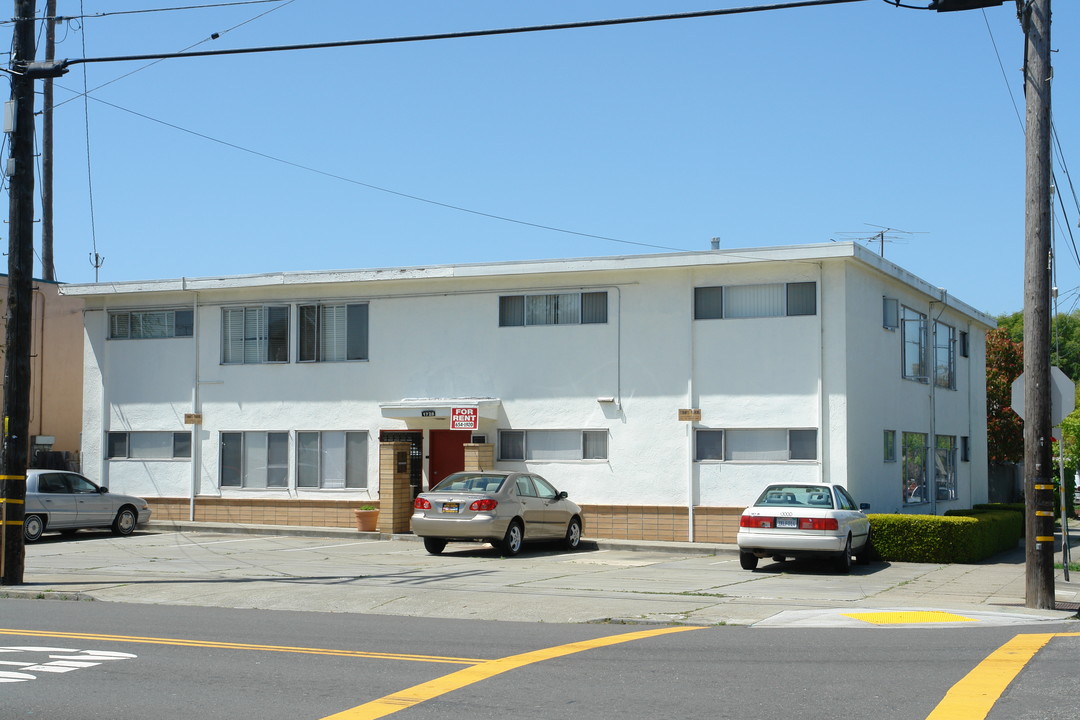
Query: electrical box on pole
{"type": "Point", "coordinates": [953, 5]}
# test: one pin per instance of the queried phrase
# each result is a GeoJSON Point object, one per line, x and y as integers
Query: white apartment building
{"type": "Point", "coordinates": [661, 391]}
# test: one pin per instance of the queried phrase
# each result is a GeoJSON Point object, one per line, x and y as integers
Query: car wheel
{"type": "Point", "coordinates": [511, 542]}
{"type": "Point", "coordinates": [573, 534]}
{"type": "Point", "coordinates": [124, 524]}
{"type": "Point", "coordinates": [748, 560]}
{"type": "Point", "coordinates": [865, 552]}
{"type": "Point", "coordinates": [33, 526]}
{"type": "Point", "coordinates": [843, 560]}
{"type": "Point", "coordinates": [435, 546]}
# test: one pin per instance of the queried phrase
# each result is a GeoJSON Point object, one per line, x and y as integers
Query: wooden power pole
{"type": "Point", "coordinates": [16, 421]}
{"type": "Point", "coordinates": [1038, 471]}
{"type": "Point", "coordinates": [48, 267]}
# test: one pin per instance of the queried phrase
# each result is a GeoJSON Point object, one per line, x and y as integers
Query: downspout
{"type": "Point", "coordinates": [932, 381]}
{"type": "Point", "coordinates": [196, 444]}
{"type": "Point", "coordinates": [823, 410]}
{"type": "Point", "coordinates": [690, 433]}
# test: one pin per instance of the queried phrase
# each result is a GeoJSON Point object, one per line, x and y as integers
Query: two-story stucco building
{"type": "Point", "coordinates": [661, 391]}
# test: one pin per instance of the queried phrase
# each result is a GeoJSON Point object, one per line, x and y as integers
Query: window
{"type": "Point", "coordinates": [945, 467]}
{"type": "Point", "coordinates": [149, 324]}
{"type": "Point", "coordinates": [890, 446]}
{"type": "Point", "coordinates": [913, 331]}
{"type": "Point", "coordinates": [149, 445]}
{"type": "Point", "coordinates": [331, 333]}
{"type": "Point", "coordinates": [965, 449]}
{"type": "Point", "coordinates": [914, 468]}
{"type": "Point", "coordinates": [553, 444]}
{"type": "Point", "coordinates": [553, 309]}
{"type": "Point", "coordinates": [758, 445]}
{"type": "Point", "coordinates": [708, 303]}
{"type": "Point", "coordinates": [257, 334]}
{"type": "Point", "coordinates": [254, 459]}
{"type": "Point", "coordinates": [944, 356]}
{"type": "Point", "coordinates": [331, 459]}
{"type": "Point", "coordinates": [890, 313]}
{"type": "Point", "coordinates": [754, 301]}
{"type": "Point", "coordinates": [709, 445]}
{"type": "Point", "coordinates": [964, 350]}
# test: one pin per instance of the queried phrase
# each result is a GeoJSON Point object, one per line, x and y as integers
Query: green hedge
{"type": "Point", "coordinates": [960, 536]}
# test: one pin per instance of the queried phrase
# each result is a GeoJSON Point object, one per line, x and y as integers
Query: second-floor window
{"type": "Point", "coordinates": [913, 331]}
{"type": "Point", "coordinates": [944, 356]}
{"type": "Point", "coordinates": [258, 334]}
{"type": "Point", "coordinates": [331, 333]}
{"type": "Point", "coordinates": [576, 308]}
{"type": "Point", "coordinates": [149, 324]}
{"type": "Point", "coordinates": [755, 301]}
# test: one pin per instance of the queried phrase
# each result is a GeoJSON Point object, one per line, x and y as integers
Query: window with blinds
{"type": "Point", "coordinates": [578, 308]}
{"type": "Point", "coordinates": [333, 333]}
{"type": "Point", "coordinates": [258, 334]}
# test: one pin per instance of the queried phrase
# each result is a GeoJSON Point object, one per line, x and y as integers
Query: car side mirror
{"type": "Point", "coordinates": [563, 495]}
{"type": "Point", "coordinates": [864, 506]}
{"type": "Point", "coordinates": [103, 490]}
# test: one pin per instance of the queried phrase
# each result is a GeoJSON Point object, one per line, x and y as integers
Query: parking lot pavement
{"type": "Point", "coordinates": [327, 570]}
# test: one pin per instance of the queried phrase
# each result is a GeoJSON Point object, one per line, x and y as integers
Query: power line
{"type": "Point", "coordinates": [148, 10]}
{"type": "Point", "coordinates": [61, 65]}
{"type": "Point", "coordinates": [370, 186]}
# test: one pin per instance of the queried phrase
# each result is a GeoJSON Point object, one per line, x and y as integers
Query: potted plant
{"type": "Point", "coordinates": [367, 518]}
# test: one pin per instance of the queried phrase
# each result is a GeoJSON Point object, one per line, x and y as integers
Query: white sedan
{"type": "Point", "coordinates": [804, 521]}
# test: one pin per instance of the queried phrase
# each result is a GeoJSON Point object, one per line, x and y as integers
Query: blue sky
{"type": "Point", "coordinates": [775, 128]}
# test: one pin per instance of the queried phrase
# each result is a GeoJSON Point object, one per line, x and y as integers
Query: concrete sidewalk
{"type": "Point", "coordinates": [338, 570]}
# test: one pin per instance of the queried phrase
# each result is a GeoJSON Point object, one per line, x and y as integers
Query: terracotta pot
{"type": "Point", "coordinates": [366, 520]}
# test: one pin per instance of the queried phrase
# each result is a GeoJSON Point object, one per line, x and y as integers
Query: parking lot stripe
{"type": "Point", "coordinates": [456, 680]}
{"type": "Point", "coordinates": [243, 646]}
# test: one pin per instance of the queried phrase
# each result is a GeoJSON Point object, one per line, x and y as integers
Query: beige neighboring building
{"type": "Point", "coordinates": [56, 369]}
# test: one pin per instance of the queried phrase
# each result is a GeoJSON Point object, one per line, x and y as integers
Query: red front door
{"type": "Point", "coordinates": [447, 453]}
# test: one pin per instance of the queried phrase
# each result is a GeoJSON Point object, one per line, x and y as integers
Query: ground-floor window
{"type": "Point", "coordinates": [945, 467]}
{"type": "Point", "coordinates": [756, 445]}
{"type": "Point", "coordinates": [914, 468]}
{"type": "Point", "coordinates": [255, 459]}
{"type": "Point", "coordinates": [331, 459]}
{"type": "Point", "coordinates": [149, 445]}
{"type": "Point", "coordinates": [553, 444]}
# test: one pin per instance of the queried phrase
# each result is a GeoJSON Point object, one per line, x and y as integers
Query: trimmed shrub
{"type": "Point", "coordinates": [960, 536]}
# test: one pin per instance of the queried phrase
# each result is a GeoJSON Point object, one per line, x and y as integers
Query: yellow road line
{"type": "Point", "coordinates": [456, 680]}
{"type": "Point", "coordinates": [242, 646]}
{"type": "Point", "coordinates": [974, 696]}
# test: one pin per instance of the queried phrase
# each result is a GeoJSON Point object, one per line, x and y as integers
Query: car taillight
{"type": "Point", "coordinates": [755, 521]}
{"type": "Point", "coordinates": [484, 505]}
{"type": "Point", "coordinates": [421, 504]}
{"type": "Point", "coordinates": [818, 524]}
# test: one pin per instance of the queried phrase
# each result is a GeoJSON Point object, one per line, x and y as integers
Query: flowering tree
{"type": "Point", "coordinates": [1004, 428]}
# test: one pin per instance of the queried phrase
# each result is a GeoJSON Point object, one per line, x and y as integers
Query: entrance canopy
{"type": "Point", "coordinates": [487, 408]}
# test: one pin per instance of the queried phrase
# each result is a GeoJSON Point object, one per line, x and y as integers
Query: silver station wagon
{"type": "Point", "coordinates": [67, 501]}
{"type": "Point", "coordinates": [503, 508]}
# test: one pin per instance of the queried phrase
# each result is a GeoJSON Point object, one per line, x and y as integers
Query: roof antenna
{"type": "Point", "coordinates": [97, 261]}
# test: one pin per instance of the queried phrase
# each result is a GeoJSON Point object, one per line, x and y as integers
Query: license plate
{"type": "Point", "coordinates": [451, 507]}
{"type": "Point", "coordinates": [787, 522]}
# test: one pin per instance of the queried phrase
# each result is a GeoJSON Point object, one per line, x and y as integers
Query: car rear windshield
{"type": "Point", "coordinates": [795, 496]}
{"type": "Point", "coordinates": [470, 482]}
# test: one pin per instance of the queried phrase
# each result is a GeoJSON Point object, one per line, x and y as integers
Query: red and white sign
{"type": "Point", "coordinates": [464, 418]}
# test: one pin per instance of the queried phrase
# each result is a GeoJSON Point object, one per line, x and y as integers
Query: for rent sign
{"type": "Point", "coordinates": [464, 418]}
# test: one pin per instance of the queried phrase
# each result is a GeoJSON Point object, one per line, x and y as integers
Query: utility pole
{"type": "Point", "coordinates": [16, 420]}
{"type": "Point", "coordinates": [1038, 472]}
{"type": "Point", "coordinates": [48, 268]}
